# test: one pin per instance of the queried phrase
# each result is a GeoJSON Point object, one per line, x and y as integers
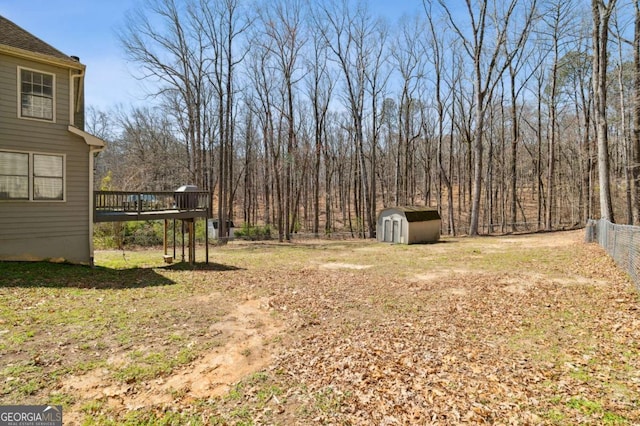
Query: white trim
{"type": "Point", "coordinates": [64, 177]}
{"type": "Point", "coordinates": [73, 94]}
{"type": "Point", "coordinates": [92, 141]}
{"type": "Point", "coordinates": [20, 200]}
{"type": "Point", "coordinates": [41, 57]}
{"type": "Point", "coordinates": [19, 89]}
{"type": "Point", "coordinates": [92, 152]}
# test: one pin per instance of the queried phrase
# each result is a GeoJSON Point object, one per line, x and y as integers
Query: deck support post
{"type": "Point", "coordinates": [192, 241]}
{"type": "Point", "coordinates": [164, 239]}
{"type": "Point", "coordinates": [206, 238]}
{"type": "Point", "coordinates": [165, 244]}
{"type": "Point", "coordinates": [182, 222]}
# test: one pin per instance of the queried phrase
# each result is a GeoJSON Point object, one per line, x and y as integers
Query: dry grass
{"type": "Point", "coordinates": [532, 329]}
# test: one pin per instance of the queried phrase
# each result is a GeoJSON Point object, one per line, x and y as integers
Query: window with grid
{"type": "Point", "coordinates": [36, 94]}
{"type": "Point", "coordinates": [48, 177]}
{"type": "Point", "coordinates": [30, 176]}
{"type": "Point", "coordinates": [14, 176]}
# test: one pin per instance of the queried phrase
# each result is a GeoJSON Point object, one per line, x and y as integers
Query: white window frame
{"type": "Point", "coordinates": [28, 180]}
{"type": "Point", "coordinates": [32, 176]}
{"type": "Point", "coordinates": [53, 99]}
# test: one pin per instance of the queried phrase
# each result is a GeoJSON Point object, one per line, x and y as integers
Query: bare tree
{"type": "Point", "coordinates": [142, 143]}
{"type": "Point", "coordinates": [626, 145]}
{"type": "Point", "coordinates": [263, 78]}
{"type": "Point", "coordinates": [410, 61]}
{"type": "Point", "coordinates": [320, 85]}
{"type": "Point", "coordinates": [523, 66]}
{"type": "Point", "coordinates": [348, 33]}
{"type": "Point", "coordinates": [167, 54]}
{"type": "Point", "coordinates": [635, 165]}
{"type": "Point", "coordinates": [435, 52]}
{"type": "Point", "coordinates": [601, 13]}
{"type": "Point", "coordinates": [221, 24]}
{"type": "Point", "coordinates": [282, 23]}
{"type": "Point", "coordinates": [557, 19]}
{"type": "Point", "coordinates": [574, 85]}
{"type": "Point", "coordinates": [251, 108]}
{"type": "Point", "coordinates": [377, 77]}
{"type": "Point", "coordinates": [489, 63]}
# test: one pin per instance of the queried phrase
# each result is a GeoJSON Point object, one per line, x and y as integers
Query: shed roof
{"type": "Point", "coordinates": [16, 37]}
{"type": "Point", "coordinates": [417, 213]}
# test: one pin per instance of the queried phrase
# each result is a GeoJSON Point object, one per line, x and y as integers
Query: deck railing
{"type": "Point", "coordinates": [139, 203]}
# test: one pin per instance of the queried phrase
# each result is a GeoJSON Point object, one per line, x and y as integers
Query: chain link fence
{"type": "Point", "coordinates": [621, 242]}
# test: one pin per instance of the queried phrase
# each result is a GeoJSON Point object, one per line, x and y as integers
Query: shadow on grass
{"type": "Point", "coordinates": [63, 275]}
{"type": "Point", "coordinates": [201, 266]}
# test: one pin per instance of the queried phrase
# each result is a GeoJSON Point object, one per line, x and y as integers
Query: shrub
{"type": "Point", "coordinates": [109, 235]}
{"type": "Point", "coordinates": [117, 235]}
{"type": "Point", "coordinates": [253, 233]}
{"type": "Point", "coordinates": [143, 233]}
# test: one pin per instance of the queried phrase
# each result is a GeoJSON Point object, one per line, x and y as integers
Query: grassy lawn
{"type": "Point", "coordinates": [532, 329]}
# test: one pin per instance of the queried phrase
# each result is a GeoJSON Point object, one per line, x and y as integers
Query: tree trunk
{"type": "Point", "coordinates": [552, 146]}
{"type": "Point", "coordinates": [477, 160]}
{"type": "Point", "coordinates": [601, 14]}
{"type": "Point", "coordinates": [635, 166]}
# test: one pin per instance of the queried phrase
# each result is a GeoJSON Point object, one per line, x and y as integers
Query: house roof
{"type": "Point", "coordinates": [91, 140]}
{"type": "Point", "coordinates": [417, 213]}
{"type": "Point", "coordinates": [18, 40]}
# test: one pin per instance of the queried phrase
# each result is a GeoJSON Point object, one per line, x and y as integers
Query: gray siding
{"type": "Point", "coordinates": [44, 230]}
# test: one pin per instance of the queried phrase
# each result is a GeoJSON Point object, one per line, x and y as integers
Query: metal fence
{"type": "Point", "coordinates": [621, 242]}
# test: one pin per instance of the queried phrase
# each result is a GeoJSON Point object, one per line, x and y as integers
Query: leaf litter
{"type": "Point", "coordinates": [519, 330]}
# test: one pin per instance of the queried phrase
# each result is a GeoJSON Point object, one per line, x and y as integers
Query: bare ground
{"type": "Point", "coordinates": [531, 329]}
{"type": "Point", "coordinates": [245, 331]}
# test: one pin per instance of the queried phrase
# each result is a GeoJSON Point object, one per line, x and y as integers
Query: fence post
{"type": "Point", "coordinates": [588, 236]}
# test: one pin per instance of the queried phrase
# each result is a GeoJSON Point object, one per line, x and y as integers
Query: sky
{"type": "Point", "coordinates": [88, 29]}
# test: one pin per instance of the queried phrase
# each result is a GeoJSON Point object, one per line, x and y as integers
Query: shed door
{"type": "Point", "coordinates": [388, 232]}
{"type": "Point", "coordinates": [396, 231]}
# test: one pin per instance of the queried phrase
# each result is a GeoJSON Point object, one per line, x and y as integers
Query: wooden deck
{"type": "Point", "coordinates": [122, 206]}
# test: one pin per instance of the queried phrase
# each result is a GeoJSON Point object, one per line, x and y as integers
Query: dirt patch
{"type": "Point", "coordinates": [246, 332]}
{"type": "Point", "coordinates": [437, 274]}
{"type": "Point", "coordinates": [335, 266]}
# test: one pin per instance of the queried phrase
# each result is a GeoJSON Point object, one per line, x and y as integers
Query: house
{"type": "Point", "coordinates": [408, 225]}
{"type": "Point", "coordinates": [46, 157]}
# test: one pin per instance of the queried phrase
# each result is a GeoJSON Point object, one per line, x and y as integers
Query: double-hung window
{"type": "Point", "coordinates": [48, 177]}
{"type": "Point", "coordinates": [37, 94]}
{"type": "Point", "coordinates": [14, 176]}
{"type": "Point", "coordinates": [31, 176]}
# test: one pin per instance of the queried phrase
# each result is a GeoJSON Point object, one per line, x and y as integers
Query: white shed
{"type": "Point", "coordinates": [408, 225]}
{"type": "Point", "coordinates": [213, 229]}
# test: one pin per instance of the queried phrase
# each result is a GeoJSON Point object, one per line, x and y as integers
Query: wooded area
{"type": "Point", "coordinates": [312, 116]}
